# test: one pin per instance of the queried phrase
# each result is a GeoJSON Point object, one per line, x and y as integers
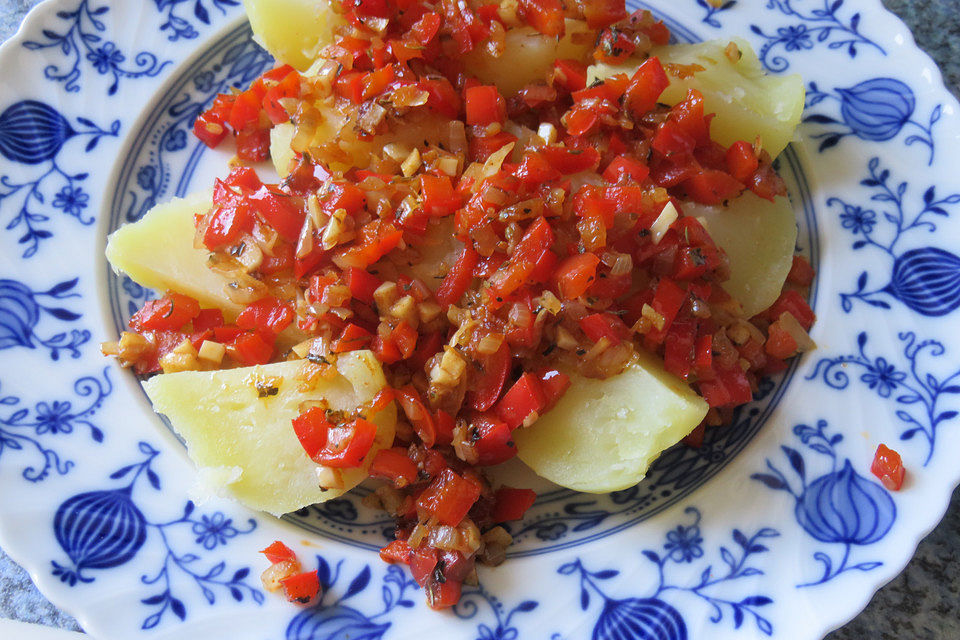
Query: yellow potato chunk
{"type": "Point", "coordinates": [760, 238]}
{"type": "Point", "coordinates": [748, 102]}
{"type": "Point", "coordinates": [245, 443]}
{"type": "Point", "coordinates": [157, 252]}
{"type": "Point", "coordinates": [603, 434]}
{"type": "Point", "coordinates": [528, 56]}
{"type": "Point", "coordinates": [293, 31]}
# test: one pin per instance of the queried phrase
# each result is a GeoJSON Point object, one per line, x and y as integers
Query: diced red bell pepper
{"type": "Point", "coordinates": [397, 552]}
{"type": "Point", "coordinates": [302, 588]}
{"type": "Point", "coordinates": [208, 319]}
{"type": "Point", "coordinates": [571, 160]}
{"type": "Point", "coordinates": [423, 560]}
{"type": "Point", "coordinates": [546, 16]}
{"type": "Point", "coordinates": [253, 145]}
{"type": "Point", "coordinates": [449, 497]}
{"type": "Point", "coordinates": [484, 105]}
{"type": "Point", "coordinates": [667, 301]}
{"type": "Point", "coordinates": [512, 504]}
{"type": "Point", "coordinates": [169, 313]}
{"type": "Point", "coordinates": [353, 338]}
{"type": "Point", "coordinates": [438, 195]}
{"type": "Point", "coordinates": [570, 74]}
{"type": "Point", "coordinates": [888, 467]}
{"type": "Point", "coordinates": [481, 148]}
{"type": "Point", "coordinates": [535, 170]}
{"type": "Point", "coordinates": [227, 224]}
{"type": "Point", "coordinates": [458, 279]}
{"type": "Point", "coordinates": [426, 28]}
{"type": "Point", "coordinates": [209, 129]}
{"type": "Point", "coordinates": [575, 275]}
{"type": "Point", "coordinates": [417, 414]}
{"type": "Point", "coordinates": [602, 13]}
{"type": "Point", "coordinates": [268, 315]}
{"type": "Point", "coordinates": [712, 187]}
{"type": "Point", "coordinates": [394, 465]}
{"type": "Point", "coordinates": [253, 348]}
{"type": "Point", "coordinates": [604, 325]}
{"type": "Point", "coordinates": [347, 445]}
{"type": "Point", "coordinates": [311, 428]}
{"type": "Point", "coordinates": [279, 552]}
{"type": "Point", "coordinates": [646, 85]}
{"type": "Point", "coordinates": [554, 384]}
{"type": "Point", "coordinates": [532, 248]}
{"type": "Point", "coordinates": [494, 444]}
{"type": "Point", "coordinates": [679, 350]}
{"type": "Point", "coordinates": [342, 195]}
{"type": "Point", "coordinates": [279, 211]}
{"type": "Point", "coordinates": [362, 284]}
{"type": "Point", "coordinates": [523, 399]}
{"type": "Point", "coordinates": [780, 343]}
{"type": "Point", "coordinates": [625, 167]}
{"type": "Point", "coordinates": [484, 389]}
{"type": "Point", "coordinates": [443, 595]}
{"type": "Point", "coordinates": [790, 301]}
{"type": "Point", "coordinates": [741, 160]}
{"type": "Point", "coordinates": [801, 273]}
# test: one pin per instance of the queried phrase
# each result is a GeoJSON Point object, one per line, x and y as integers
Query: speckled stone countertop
{"type": "Point", "coordinates": [920, 604]}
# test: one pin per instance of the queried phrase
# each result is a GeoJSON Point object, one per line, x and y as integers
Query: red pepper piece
{"type": "Point", "coordinates": [394, 465]}
{"type": "Point", "coordinates": [303, 587]}
{"type": "Point", "coordinates": [279, 552]}
{"type": "Point", "coordinates": [449, 497]}
{"type": "Point", "coordinates": [169, 313]}
{"type": "Point", "coordinates": [888, 467]}
{"type": "Point", "coordinates": [512, 504]}
{"type": "Point", "coordinates": [524, 398]}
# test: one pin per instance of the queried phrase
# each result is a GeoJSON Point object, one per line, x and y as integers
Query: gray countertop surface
{"type": "Point", "coordinates": [920, 604]}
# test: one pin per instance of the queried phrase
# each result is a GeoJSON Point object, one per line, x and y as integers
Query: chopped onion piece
{"type": "Point", "coordinates": [661, 225]}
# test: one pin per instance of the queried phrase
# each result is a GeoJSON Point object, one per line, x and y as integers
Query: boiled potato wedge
{"type": "Point", "coordinates": [157, 252]}
{"type": "Point", "coordinates": [528, 56]}
{"type": "Point", "coordinates": [246, 444]}
{"type": "Point", "coordinates": [293, 31]}
{"type": "Point", "coordinates": [603, 434]}
{"type": "Point", "coordinates": [748, 102]}
{"type": "Point", "coordinates": [760, 239]}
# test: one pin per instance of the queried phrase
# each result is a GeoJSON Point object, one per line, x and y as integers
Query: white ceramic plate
{"type": "Point", "coordinates": [774, 528]}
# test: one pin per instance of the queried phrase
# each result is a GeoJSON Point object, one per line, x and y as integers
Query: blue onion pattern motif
{"type": "Point", "coordinates": [335, 623]}
{"type": "Point", "coordinates": [876, 110]}
{"type": "Point", "coordinates": [830, 25]}
{"type": "Point", "coordinates": [28, 435]}
{"type": "Point", "coordinates": [101, 530]}
{"type": "Point", "coordinates": [32, 132]}
{"type": "Point", "coordinates": [923, 398]}
{"type": "Point", "coordinates": [844, 507]}
{"type": "Point", "coordinates": [839, 507]}
{"type": "Point", "coordinates": [927, 280]}
{"type": "Point", "coordinates": [639, 619]}
{"type": "Point", "coordinates": [652, 617]}
{"type": "Point", "coordinates": [21, 309]}
{"type": "Point", "coordinates": [331, 619]}
{"type": "Point", "coordinates": [98, 530]}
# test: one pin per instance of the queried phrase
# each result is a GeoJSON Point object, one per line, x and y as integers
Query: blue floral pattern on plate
{"type": "Point", "coordinates": [83, 41]}
{"type": "Point", "coordinates": [177, 574]}
{"type": "Point", "coordinates": [33, 133]}
{"type": "Point", "coordinates": [652, 616]}
{"type": "Point", "coordinates": [104, 529]}
{"type": "Point", "coordinates": [839, 507]}
{"type": "Point", "coordinates": [27, 432]}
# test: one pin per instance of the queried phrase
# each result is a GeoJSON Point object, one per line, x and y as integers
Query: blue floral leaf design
{"type": "Point", "coordinates": [116, 475]}
{"type": "Point", "coordinates": [153, 600]}
{"type": "Point", "coordinates": [63, 314]}
{"type": "Point", "coordinates": [323, 572]}
{"type": "Point", "coordinates": [240, 574]}
{"type": "Point", "coordinates": [62, 287]}
{"type": "Point", "coordinates": [154, 479]}
{"type": "Point", "coordinates": [772, 482]}
{"type": "Point", "coordinates": [737, 617]}
{"type": "Point", "coordinates": [178, 609]}
{"type": "Point", "coordinates": [650, 555]}
{"type": "Point", "coordinates": [359, 583]}
{"type": "Point", "coordinates": [606, 574]}
{"type": "Point", "coordinates": [584, 599]}
{"type": "Point", "coordinates": [526, 606]}
{"type": "Point", "coordinates": [756, 601]}
{"type": "Point", "coordinates": [796, 461]}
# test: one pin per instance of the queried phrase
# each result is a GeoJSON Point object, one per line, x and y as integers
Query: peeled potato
{"type": "Point", "coordinates": [293, 31]}
{"type": "Point", "coordinates": [246, 444]}
{"type": "Point", "coordinates": [157, 252]}
{"type": "Point", "coordinates": [760, 238]}
{"type": "Point", "coordinates": [528, 56]}
{"type": "Point", "coordinates": [603, 434]}
{"type": "Point", "coordinates": [748, 102]}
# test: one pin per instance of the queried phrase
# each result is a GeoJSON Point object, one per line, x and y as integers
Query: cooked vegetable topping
{"type": "Point", "coordinates": [490, 242]}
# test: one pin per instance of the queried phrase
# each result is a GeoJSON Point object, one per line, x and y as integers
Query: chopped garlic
{"type": "Point", "coordinates": [661, 225]}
